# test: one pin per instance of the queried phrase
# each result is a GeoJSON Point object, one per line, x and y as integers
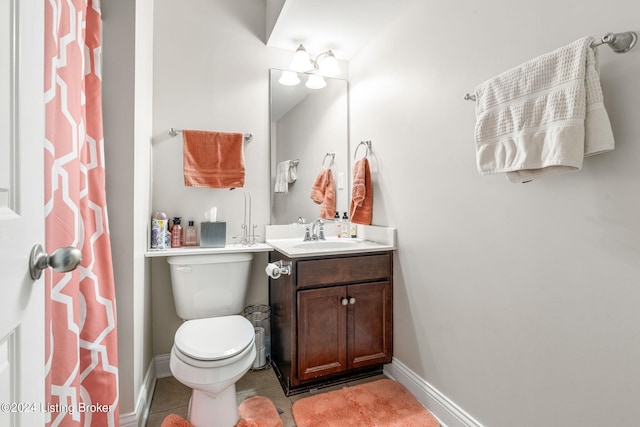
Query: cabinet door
{"type": "Point", "coordinates": [369, 324]}
{"type": "Point", "coordinates": [322, 317]}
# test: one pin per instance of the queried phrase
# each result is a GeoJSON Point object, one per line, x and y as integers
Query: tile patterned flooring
{"type": "Point", "coordinates": [172, 397]}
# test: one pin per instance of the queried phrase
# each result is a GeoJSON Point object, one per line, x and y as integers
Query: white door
{"type": "Point", "coordinates": [21, 212]}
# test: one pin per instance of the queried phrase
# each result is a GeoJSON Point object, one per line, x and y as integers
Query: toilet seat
{"type": "Point", "coordinates": [213, 341]}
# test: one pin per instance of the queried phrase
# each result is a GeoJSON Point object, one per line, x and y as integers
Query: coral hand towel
{"type": "Point", "coordinates": [324, 191]}
{"type": "Point", "coordinates": [213, 159]}
{"type": "Point", "coordinates": [362, 193]}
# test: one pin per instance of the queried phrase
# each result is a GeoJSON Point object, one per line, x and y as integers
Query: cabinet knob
{"type": "Point", "coordinates": [352, 300]}
{"type": "Point", "coordinates": [344, 301]}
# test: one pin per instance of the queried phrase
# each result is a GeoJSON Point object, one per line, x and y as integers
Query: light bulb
{"type": "Point", "coordinates": [329, 65]}
{"type": "Point", "coordinates": [289, 78]}
{"type": "Point", "coordinates": [315, 82]}
{"type": "Point", "coordinates": [301, 61]}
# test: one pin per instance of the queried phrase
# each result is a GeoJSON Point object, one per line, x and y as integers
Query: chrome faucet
{"type": "Point", "coordinates": [319, 235]}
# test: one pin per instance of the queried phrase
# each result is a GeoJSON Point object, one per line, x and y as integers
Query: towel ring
{"type": "Point", "coordinates": [332, 156]}
{"type": "Point", "coordinates": [367, 148]}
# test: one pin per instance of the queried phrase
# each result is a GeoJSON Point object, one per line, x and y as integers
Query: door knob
{"type": "Point", "coordinates": [352, 300]}
{"type": "Point", "coordinates": [344, 301]}
{"type": "Point", "coordinates": [61, 260]}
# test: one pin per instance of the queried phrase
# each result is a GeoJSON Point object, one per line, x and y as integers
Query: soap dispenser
{"type": "Point", "coordinates": [344, 229]}
{"type": "Point", "coordinates": [190, 235]}
{"type": "Point", "coordinates": [176, 233]}
{"type": "Point", "coordinates": [338, 223]}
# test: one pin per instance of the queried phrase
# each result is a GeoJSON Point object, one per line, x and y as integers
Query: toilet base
{"type": "Point", "coordinates": [219, 411]}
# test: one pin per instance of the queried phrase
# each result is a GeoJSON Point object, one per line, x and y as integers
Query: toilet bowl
{"type": "Point", "coordinates": [209, 356]}
{"type": "Point", "coordinates": [212, 349]}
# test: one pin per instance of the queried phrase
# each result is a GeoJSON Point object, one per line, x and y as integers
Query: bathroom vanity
{"type": "Point", "coordinates": [331, 317]}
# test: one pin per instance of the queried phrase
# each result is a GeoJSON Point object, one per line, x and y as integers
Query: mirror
{"type": "Point", "coordinates": [306, 125]}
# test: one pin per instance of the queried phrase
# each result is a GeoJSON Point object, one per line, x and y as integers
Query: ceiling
{"type": "Point", "coordinates": [344, 26]}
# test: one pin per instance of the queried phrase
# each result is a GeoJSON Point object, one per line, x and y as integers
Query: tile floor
{"type": "Point", "coordinates": [171, 397]}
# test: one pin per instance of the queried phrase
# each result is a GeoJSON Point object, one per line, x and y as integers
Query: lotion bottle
{"type": "Point", "coordinates": [176, 233]}
{"type": "Point", "coordinates": [190, 235]}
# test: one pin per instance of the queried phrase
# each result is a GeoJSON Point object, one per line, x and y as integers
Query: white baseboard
{"type": "Point", "coordinates": [162, 365]}
{"type": "Point", "coordinates": [448, 413]}
{"type": "Point", "coordinates": [139, 417]}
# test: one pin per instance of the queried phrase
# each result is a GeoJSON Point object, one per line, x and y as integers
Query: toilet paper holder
{"type": "Point", "coordinates": [278, 268]}
{"type": "Point", "coordinates": [284, 267]}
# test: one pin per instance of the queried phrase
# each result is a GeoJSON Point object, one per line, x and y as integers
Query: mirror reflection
{"type": "Point", "coordinates": [309, 128]}
{"type": "Point", "coordinates": [6, 139]}
{"type": "Point", "coordinates": [5, 169]}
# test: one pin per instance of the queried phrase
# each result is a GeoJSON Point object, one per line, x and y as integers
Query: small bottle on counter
{"type": "Point", "coordinates": [345, 226]}
{"type": "Point", "coordinates": [176, 233]}
{"type": "Point", "coordinates": [338, 223]}
{"type": "Point", "coordinates": [159, 230]}
{"type": "Point", "coordinates": [190, 235]}
{"type": "Point", "coordinates": [353, 230]}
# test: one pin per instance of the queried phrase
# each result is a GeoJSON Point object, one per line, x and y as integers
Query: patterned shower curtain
{"type": "Point", "coordinates": [81, 341]}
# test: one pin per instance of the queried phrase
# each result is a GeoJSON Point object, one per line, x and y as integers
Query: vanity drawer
{"type": "Point", "coordinates": [334, 271]}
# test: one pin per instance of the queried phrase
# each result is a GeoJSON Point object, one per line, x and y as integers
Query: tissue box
{"type": "Point", "coordinates": [213, 234]}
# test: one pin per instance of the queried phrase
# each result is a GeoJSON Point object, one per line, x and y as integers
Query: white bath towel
{"type": "Point", "coordinates": [542, 117]}
{"type": "Point", "coordinates": [293, 171]}
{"type": "Point", "coordinates": [285, 174]}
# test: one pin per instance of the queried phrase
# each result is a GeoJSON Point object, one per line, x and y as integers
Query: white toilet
{"type": "Point", "coordinates": [215, 346]}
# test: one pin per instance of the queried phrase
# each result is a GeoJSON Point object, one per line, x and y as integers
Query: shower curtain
{"type": "Point", "coordinates": [80, 314]}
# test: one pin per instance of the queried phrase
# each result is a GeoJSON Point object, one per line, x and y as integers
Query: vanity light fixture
{"type": "Point", "coordinates": [289, 78]}
{"type": "Point", "coordinates": [325, 63]}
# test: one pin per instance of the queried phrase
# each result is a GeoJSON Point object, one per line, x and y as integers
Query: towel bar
{"type": "Point", "coordinates": [618, 42]}
{"type": "Point", "coordinates": [248, 137]}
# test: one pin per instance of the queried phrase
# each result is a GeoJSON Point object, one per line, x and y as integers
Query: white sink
{"type": "Point", "coordinates": [295, 248]}
{"type": "Point", "coordinates": [326, 244]}
{"type": "Point", "coordinates": [287, 239]}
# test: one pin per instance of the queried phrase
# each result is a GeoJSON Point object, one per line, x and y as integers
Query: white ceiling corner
{"type": "Point", "coordinates": [343, 26]}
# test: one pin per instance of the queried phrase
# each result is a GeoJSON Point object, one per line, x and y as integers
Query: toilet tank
{"type": "Point", "coordinates": [209, 285]}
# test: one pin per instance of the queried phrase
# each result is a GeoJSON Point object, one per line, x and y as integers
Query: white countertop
{"type": "Point", "coordinates": [197, 250]}
{"type": "Point", "coordinates": [288, 239]}
{"type": "Point", "coordinates": [295, 248]}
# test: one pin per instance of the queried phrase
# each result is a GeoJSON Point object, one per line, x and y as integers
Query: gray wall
{"type": "Point", "coordinates": [519, 302]}
{"type": "Point", "coordinates": [127, 77]}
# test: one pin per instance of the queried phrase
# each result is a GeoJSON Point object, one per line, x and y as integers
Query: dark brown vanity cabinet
{"type": "Point", "coordinates": [331, 318]}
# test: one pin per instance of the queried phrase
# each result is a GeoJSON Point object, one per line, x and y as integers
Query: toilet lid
{"type": "Point", "coordinates": [214, 338]}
